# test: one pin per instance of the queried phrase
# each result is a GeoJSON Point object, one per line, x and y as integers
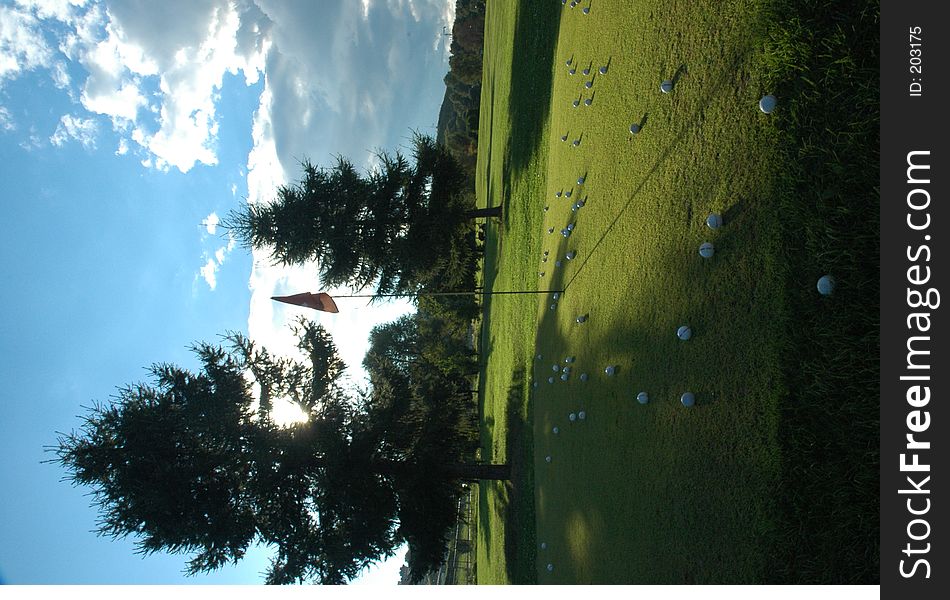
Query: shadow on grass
{"type": "Point", "coordinates": [519, 513]}
{"type": "Point", "coordinates": [535, 38]}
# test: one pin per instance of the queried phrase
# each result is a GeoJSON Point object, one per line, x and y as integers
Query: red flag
{"type": "Point", "coordinates": [321, 301]}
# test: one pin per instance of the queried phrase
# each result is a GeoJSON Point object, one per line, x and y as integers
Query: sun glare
{"type": "Point", "coordinates": [285, 413]}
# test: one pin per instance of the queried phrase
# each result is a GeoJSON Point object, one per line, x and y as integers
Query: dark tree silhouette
{"type": "Point", "coordinates": [396, 227]}
{"type": "Point", "coordinates": [188, 463]}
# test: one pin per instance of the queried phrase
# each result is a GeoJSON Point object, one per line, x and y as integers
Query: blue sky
{"type": "Point", "coordinates": [127, 128]}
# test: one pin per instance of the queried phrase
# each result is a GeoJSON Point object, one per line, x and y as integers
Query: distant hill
{"type": "Point", "coordinates": [457, 128]}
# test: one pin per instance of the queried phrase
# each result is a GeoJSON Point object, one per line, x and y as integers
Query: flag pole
{"type": "Point", "coordinates": [324, 302]}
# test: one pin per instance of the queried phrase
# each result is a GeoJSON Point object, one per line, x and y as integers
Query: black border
{"type": "Point", "coordinates": [912, 123]}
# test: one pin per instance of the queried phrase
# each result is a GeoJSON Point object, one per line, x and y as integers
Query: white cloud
{"type": "Point", "coordinates": [6, 120]}
{"type": "Point", "coordinates": [61, 10]}
{"type": "Point", "coordinates": [22, 44]}
{"type": "Point", "coordinates": [123, 148]}
{"type": "Point", "coordinates": [208, 272]}
{"type": "Point", "coordinates": [211, 222]}
{"type": "Point", "coordinates": [75, 128]}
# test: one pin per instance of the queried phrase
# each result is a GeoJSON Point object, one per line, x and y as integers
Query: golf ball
{"type": "Point", "coordinates": [555, 430]}
{"type": "Point", "coordinates": [714, 221]}
{"type": "Point", "coordinates": [565, 377]}
{"type": "Point", "coordinates": [566, 370]}
{"type": "Point", "coordinates": [584, 376]}
{"type": "Point", "coordinates": [564, 138]}
{"type": "Point", "coordinates": [581, 415]}
{"type": "Point", "coordinates": [603, 70]}
{"type": "Point", "coordinates": [569, 359]}
{"type": "Point", "coordinates": [684, 332]}
{"type": "Point", "coordinates": [635, 128]}
{"type": "Point", "coordinates": [544, 546]}
{"type": "Point", "coordinates": [577, 103]}
{"type": "Point", "coordinates": [572, 417]}
{"type": "Point", "coordinates": [555, 368]}
{"type": "Point", "coordinates": [688, 399]}
{"type": "Point", "coordinates": [589, 84]}
{"type": "Point", "coordinates": [550, 380]}
{"type": "Point", "coordinates": [611, 370]}
{"type": "Point", "coordinates": [581, 319]}
{"type": "Point", "coordinates": [642, 398]}
{"type": "Point", "coordinates": [570, 255]}
{"type": "Point", "coordinates": [547, 458]}
{"type": "Point", "coordinates": [767, 103]}
{"type": "Point", "coordinates": [706, 250]}
{"type": "Point", "coordinates": [550, 567]}
{"type": "Point", "coordinates": [586, 71]}
{"type": "Point", "coordinates": [826, 285]}
{"type": "Point", "coordinates": [577, 142]}
{"type": "Point", "coordinates": [557, 263]}
{"type": "Point", "coordinates": [580, 180]}
{"type": "Point", "coordinates": [666, 87]}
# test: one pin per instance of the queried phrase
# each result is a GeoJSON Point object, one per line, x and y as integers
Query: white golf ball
{"type": "Point", "coordinates": [538, 357]}
{"type": "Point", "coordinates": [555, 430]}
{"type": "Point", "coordinates": [535, 384]}
{"type": "Point", "coordinates": [706, 250]}
{"type": "Point", "coordinates": [569, 359]}
{"type": "Point", "coordinates": [643, 398]}
{"type": "Point", "coordinates": [611, 370]}
{"type": "Point", "coordinates": [581, 415]}
{"type": "Point", "coordinates": [688, 399]}
{"type": "Point", "coordinates": [550, 567]}
{"type": "Point", "coordinates": [568, 193]}
{"type": "Point", "coordinates": [588, 101]}
{"type": "Point", "coordinates": [767, 103]}
{"type": "Point", "coordinates": [586, 10]}
{"type": "Point", "coordinates": [566, 370]}
{"type": "Point", "coordinates": [572, 417]}
{"type": "Point", "coordinates": [603, 70]}
{"type": "Point", "coordinates": [576, 103]}
{"type": "Point", "coordinates": [714, 221]}
{"type": "Point", "coordinates": [550, 380]}
{"type": "Point", "coordinates": [570, 255]}
{"type": "Point", "coordinates": [581, 319]}
{"type": "Point", "coordinates": [580, 180]}
{"type": "Point", "coordinates": [684, 332]}
{"type": "Point", "coordinates": [557, 263]}
{"type": "Point", "coordinates": [572, 71]}
{"type": "Point", "coordinates": [544, 546]}
{"type": "Point", "coordinates": [589, 84]}
{"type": "Point", "coordinates": [584, 376]}
{"type": "Point", "coordinates": [554, 306]}
{"type": "Point", "coordinates": [826, 285]}
{"type": "Point", "coordinates": [577, 142]}
{"type": "Point", "coordinates": [558, 194]}
{"type": "Point", "coordinates": [550, 230]}
{"type": "Point", "coordinates": [556, 296]}
{"type": "Point", "coordinates": [635, 128]}
{"type": "Point", "coordinates": [565, 376]}
{"type": "Point", "coordinates": [666, 87]}
{"type": "Point", "coordinates": [547, 458]}
{"type": "Point", "coordinates": [555, 368]}
{"type": "Point", "coordinates": [586, 71]}
{"type": "Point", "coordinates": [564, 138]}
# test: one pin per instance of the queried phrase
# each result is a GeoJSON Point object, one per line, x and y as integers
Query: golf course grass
{"type": "Point", "coordinates": [771, 476]}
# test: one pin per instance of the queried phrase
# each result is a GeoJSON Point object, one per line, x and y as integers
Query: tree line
{"type": "Point", "coordinates": [458, 117]}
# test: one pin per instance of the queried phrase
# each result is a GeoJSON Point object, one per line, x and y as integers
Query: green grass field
{"type": "Point", "coordinates": [771, 477]}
